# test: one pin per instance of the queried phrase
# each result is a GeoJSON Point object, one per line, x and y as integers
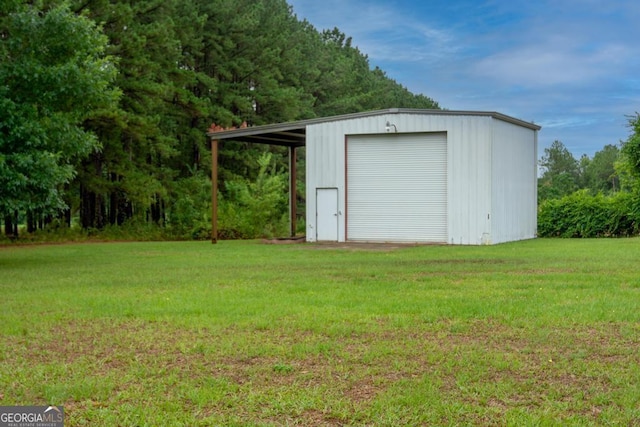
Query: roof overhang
{"type": "Point", "coordinates": [293, 134]}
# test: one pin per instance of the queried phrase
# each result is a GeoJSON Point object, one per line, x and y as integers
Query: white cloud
{"type": "Point", "coordinates": [557, 62]}
{"type": "Point", "coordinates": [381, 31]}
{"type": "Point", "coordinates": [566, 121]}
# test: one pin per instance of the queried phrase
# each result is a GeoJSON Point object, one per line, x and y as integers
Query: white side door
{"type": "Point", "coordinates": [327, 214]}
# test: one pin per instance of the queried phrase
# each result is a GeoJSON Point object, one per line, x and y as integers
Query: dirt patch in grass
{"type": "Point", "coordinates": [481, 363]}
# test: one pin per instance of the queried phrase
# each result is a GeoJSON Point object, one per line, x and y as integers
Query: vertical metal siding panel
{"type": "Point", "coordinates": [456, 190]}
{"type": "Point", "coordinates": [327, 167]}
{"type": "Point", "coordinates": [514, 184]}
{"type": "Point", "coordinates": [470, 178]}
{"type": "Point", "coordinates": [534, 181]}
{"type": "Point", "coordinates": [313, 153]}
{"type": "Point", "coordinates": [483, 213]}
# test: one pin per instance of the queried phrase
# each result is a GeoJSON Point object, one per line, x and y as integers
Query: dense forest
{"type": "Point", "coordinates": [106, 103]}
{"type": "Point", "coordinates": [104, 107]}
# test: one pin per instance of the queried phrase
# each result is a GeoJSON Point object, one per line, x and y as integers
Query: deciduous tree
{"type": "Point", "coordinates": [600, 173]}
{"type": "Point", "coordinates": [560, 172]}
{"type": "Point", "coordinates": [630, 164]}
{"type": "Point", "coordinates": [53, 73]}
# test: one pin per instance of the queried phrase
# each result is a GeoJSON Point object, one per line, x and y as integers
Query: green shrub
{"type": "Point", "coordinates": [255, 209]}
{"type": "Point", "coordinates": [190, 215]}
{"type": "Point", "coordinates": [583, 215]}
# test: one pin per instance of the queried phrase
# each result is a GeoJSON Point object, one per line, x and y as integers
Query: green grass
{"type": "Point", "coordinates": [542, 332]}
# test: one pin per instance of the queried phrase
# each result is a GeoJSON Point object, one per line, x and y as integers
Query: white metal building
{"type": "Point", "coordinates": [404, 175]}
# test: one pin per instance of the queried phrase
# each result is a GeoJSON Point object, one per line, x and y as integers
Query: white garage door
{"type": "Point", "coordinates": [397, 188]}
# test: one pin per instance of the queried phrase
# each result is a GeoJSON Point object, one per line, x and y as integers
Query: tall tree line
{"type": "Point", "coordinates": [562, 174]}
{"type": "Point", "coordinates": [182, 65]}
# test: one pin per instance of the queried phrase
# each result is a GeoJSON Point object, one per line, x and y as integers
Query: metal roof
{"type": "Point", "coordinates": [293, 134]}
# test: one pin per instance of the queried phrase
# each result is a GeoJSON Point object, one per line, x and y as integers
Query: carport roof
{"type": "Point", "coordinates": [293, 134]}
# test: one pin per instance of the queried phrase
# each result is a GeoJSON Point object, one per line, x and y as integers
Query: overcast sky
{"type": "Point", "coordinates": [571, 66]}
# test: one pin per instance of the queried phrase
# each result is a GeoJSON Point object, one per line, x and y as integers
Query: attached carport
{"type": "Point", "coordinates": [291, 135]}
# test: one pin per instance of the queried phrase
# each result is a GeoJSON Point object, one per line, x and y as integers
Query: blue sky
{"type": "Point", "coordinates": [571, 66]}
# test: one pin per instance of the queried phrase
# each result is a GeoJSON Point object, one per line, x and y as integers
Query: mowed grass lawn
{"type": "Point", "coordinates": [541, 332]}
